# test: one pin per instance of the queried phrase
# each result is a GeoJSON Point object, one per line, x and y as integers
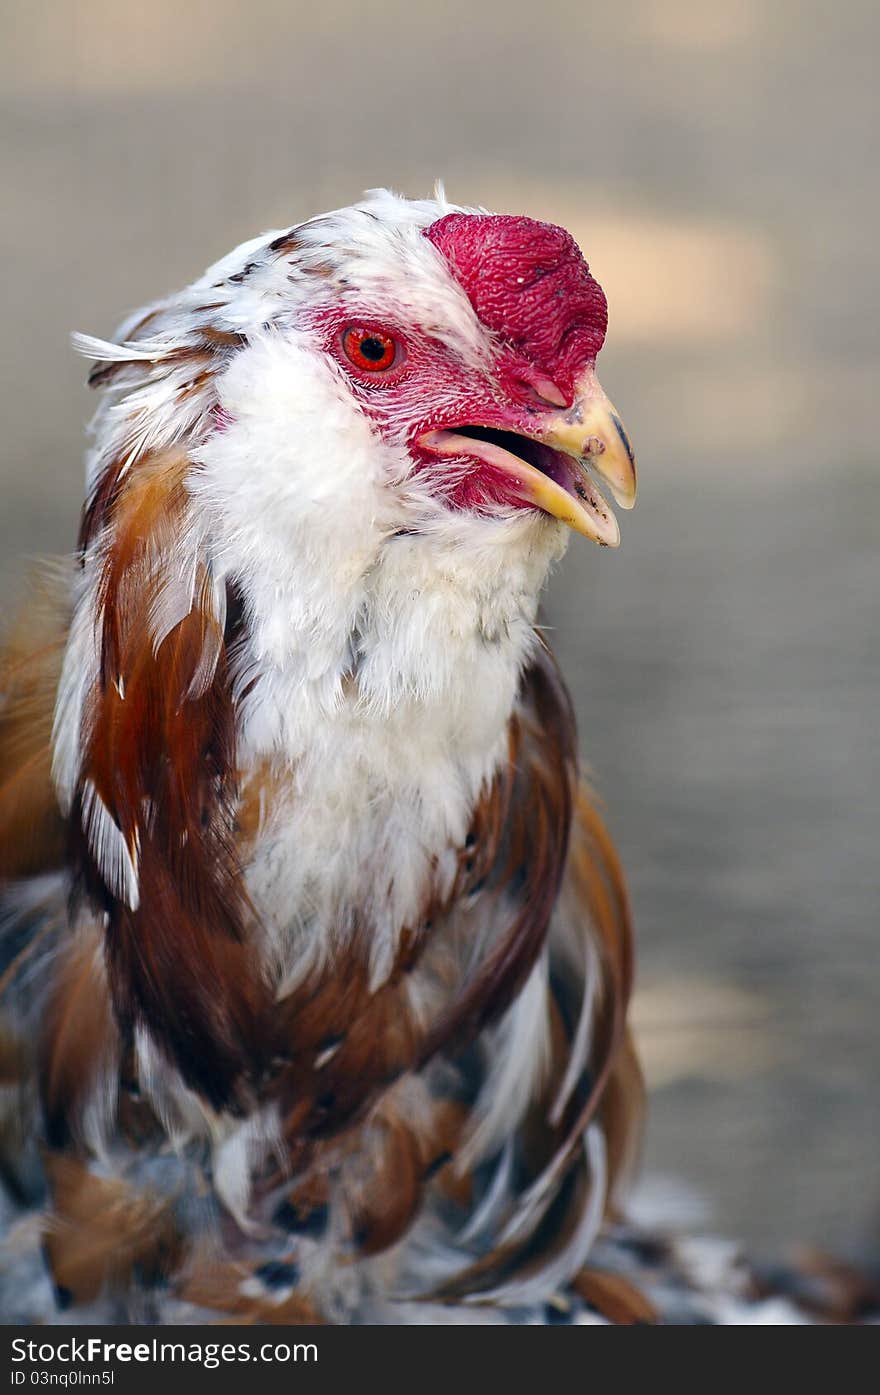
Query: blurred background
{"type": "Point", "coordinates": [716, 159]}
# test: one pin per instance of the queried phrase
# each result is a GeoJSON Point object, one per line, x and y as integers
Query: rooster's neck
{"type": "Point", "coordinates": [380, 736]}
{"type": "Point", "coordinates": [432, 632]}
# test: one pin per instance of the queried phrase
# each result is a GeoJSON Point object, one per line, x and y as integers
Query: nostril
{"type": "Point", "coordinates": [547, 391]}
{"type": "Point", "coordinates": [538, 389]}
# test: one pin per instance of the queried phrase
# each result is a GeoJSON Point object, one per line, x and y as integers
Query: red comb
{"type": "Point", "coordinates": [529, 283]}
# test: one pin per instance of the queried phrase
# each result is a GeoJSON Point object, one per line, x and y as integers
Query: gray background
{"type": "Point", "coordinates": [717, 163]}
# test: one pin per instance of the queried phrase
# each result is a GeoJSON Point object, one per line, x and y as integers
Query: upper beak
{"type": "Point", "coordinates": [591, 431]}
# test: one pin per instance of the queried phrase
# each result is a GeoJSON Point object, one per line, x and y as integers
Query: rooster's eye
{"type": "Point", "coordinates": [371, 350]}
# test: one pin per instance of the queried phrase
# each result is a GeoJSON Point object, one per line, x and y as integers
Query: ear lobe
{"type": "Point", "coordinates": [154, 805]}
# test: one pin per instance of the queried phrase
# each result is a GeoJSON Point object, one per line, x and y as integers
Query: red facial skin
{"type": "Point", "coordinates": [530, 286]}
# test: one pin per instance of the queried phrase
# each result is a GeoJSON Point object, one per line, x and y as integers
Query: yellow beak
{"type": "Point", "coordinates": [591, 440]}
{"type": "Point", "coordinates": [592, 432]}
{"type": "Point", "coordinates": [587, 436]}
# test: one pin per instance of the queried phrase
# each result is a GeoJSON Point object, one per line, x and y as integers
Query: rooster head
{"type": "Point", "coordinates": [470, 345]}
{"type": "Point", "coordinates": [396, 368]}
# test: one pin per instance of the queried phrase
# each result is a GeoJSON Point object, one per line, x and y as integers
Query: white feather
{"type": "Point", "coordinates": [518, 1052]}
{"type": "Point", "coordinates": [114, 858]}
{"type": "Point", "coordinates": [540, 1286]}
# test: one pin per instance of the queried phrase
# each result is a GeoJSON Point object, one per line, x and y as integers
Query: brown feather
{"type": "Point", "coordinates": [398, 1160]}
{"type": "Point", "coordinates": [622, 1115]}
{"type": "Point", "coordinates": [599, 887]}
{"type": "Point", "coordinates": [103, 1234]}
{"type": "Point", "coordinates": [219, 1287]}
{"type": "Point", "coordinates": [161, 756]}
{"type": "Point", "coordinates": [614, 1297]}
{"type": "Point", "coordinates": [13, 1057]}
{"type": "Point", "coordinates": [78, 1036]}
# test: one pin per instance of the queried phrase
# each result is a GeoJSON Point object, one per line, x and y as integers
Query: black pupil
{"type": "Point", "coordinates": [373, 349]}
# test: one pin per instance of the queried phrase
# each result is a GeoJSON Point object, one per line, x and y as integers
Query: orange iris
{"type": "Point", "coordinates": [371, 350]}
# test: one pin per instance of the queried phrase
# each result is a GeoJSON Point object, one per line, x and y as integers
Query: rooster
{"type": "Point", "coordinates": [318, 951]}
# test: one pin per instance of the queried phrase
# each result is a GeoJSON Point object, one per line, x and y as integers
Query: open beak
{"type": "Point", "coordinates": [552, 466]}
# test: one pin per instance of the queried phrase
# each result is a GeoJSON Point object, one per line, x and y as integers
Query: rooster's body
{"type": "Point", "coordinates": [318, 951]}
